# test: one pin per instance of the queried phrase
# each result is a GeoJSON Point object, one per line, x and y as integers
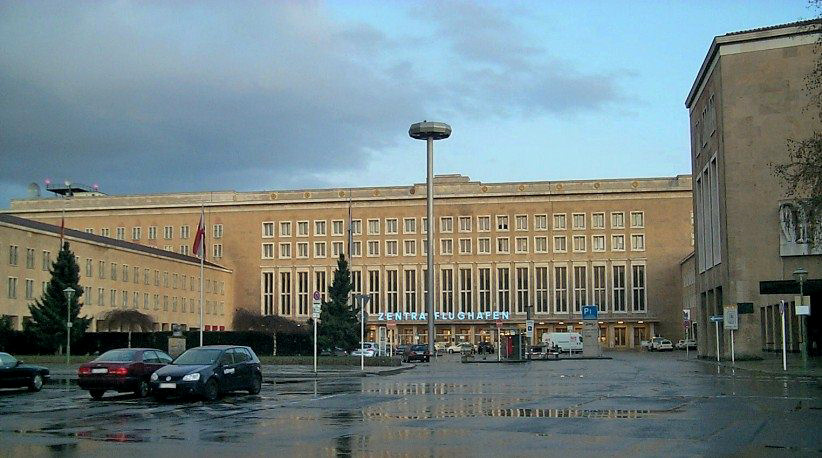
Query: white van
{"type": "Point", "coordinates": [563, 341]}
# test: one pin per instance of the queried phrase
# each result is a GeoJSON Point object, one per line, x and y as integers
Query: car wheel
{"type": "Point", "coordinates": [36, 383]}
{"type": "Point", "coordinates": [97, 394]}
{"type": "Point", "coordinates": [211, 391]}
{"type": "Point", "coordinates": [256, 385]}
{"type": "Point", "coordinates": [142, 389]}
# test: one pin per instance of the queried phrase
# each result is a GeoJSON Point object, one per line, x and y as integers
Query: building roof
{"type": "Point", "coordinates": [810, 26]}
{"type": "Point", "coordinates": [37, 225]}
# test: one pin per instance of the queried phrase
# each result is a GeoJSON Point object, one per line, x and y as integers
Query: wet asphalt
{"type": "Point", "coordinates": [642, 404]}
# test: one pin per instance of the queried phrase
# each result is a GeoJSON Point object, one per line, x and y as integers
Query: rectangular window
{"type": "Point", "coordinates": [337, 248]}
{"type": "Point", "coordinates": [145, 276]}
{"type": "Point", "coordinates": [560, 244]}
{"type": "Point", "coordinates": [598, 242]}
{"type": "Point", "coordinates": [637, 242]}
{"type": "Point", "coordinates": [89, 267]}
{"type": "Point", "coordinates": [373, 227]}
{"type": "Point", "coordinates": [356, 249]}
{"type": "Point", "coordinates": [411, 291]}
{"type": "Point", "coordinates": [521, 222]}
{"type": "Point", "coordinates": [579, 243]}
{"type": "Point", "coordinates": [503, 245]}
{"type": "Point", "coordinates": [502, 222]}
{"type": "Point", "coordinates": [465, 291]}
{"type": "Point", "coordinates": [578, 221]}
{"type": "Point", "coordinates": [446, 247]}
{"type": "Point", "coordinates": [168, 232]}
{"type": "Point", "coordinates": [285, 250]}
{"type": "Point", "coordinates": [46, 260]}
{"type": "Point", "coordinates": [541, 289]}
{"type": "Point", "coordinates": [29, 258]}
{"type": "Point", "coordinates": [135, 233]}
{"type": "Point", "coordinates": [465, 223]}
{"type": "Point", "coordinates": [136, 275]}
{"type": "Point", "coordinates": [184, 232]}
{"type": "Point", "coordinates": [484, 246]}
{"type": "Point", "coordinates": [410, 247]}
{"type": "Point", "coordinates": [356, 227]}
{"type": "Point", "coordinates": [125, 299]}
{"type": "Point", "coordinates": [540, 244]}
{"type": "Point", "coordinates": [165, 280]}
{"type": "Point", "coordinates": [104, 232]}
{"type": "Point", "coordinates": [89, 230]}
{"type": "Point", "coordinates": [540, 222]}
{"type": "Point", "coordinates": [268, 250]}
{"type": "Point", "coordinates": [391, 248]}
{"type": "Point", "coordinates": [617, 220]}
{"type": "Point", "coordinates": [302, 250]}
{"type": "Point", "coordinates": [559, 221]}
{"type": "Point", "coordinates": [373, 248]}
{"type": "Point", "coordinates": [598, 220]}
{"type": "Point", "coordinates": [580, 288]}
{"type": "Point", "coordinates": [374, 292]}
{"type": "Point", "coordinates": [617, 243]}
{"type": "Point", "coordinates": [391, 226]}
{"type": "Point", "coordinates": [12, 289]}
{"type": "Point", "coordinates": [409, 226]}
{"type": "Point", "coordinates": [521, 244]}
{"type": "Point", "coordinates": [125, 273]}
{"type": "Point", "coordinates": [392, 291]}
{"type": "Point", "coordinates": [503, 288]}
{"type": "Point", "coordinates": [619, 289]}
{"type": "Point", "coordinates": [319, 228]}
{"type": "Point", "coordinates": [152, 232]}
{"type": "Point", "coordinates": [637, 219]}
{"type": "Point", "coordinates": [320, 284]}
{"type": "Point", "coordinates": [356, 282]}
{"type": "Point", "coordinates": [446, 224]}
{"type": "Point", "coordinates": [285, 228]}
{"type": "Point", "coordinates": [638, 288]}
{"type": "Point", "coordinates": [484, 291]}
{"type": "Point", "coordinates": [600, 297]}
{"type": "Point", "coordinates": [302, 293]}
{"type": "Point", "coordinates": [561, 289]}
{"type": "Point", "coordinates": [285, 293]}
{"type": "Point", "coordinates": [337, 227]}
{"type": "Point", "coordinates": [113, 298]}
{"type": "Point", "coordinates": [523, 299]}
{"type": "Point", "coordinates": [121, 233]}
{"type": "Point", "coordinates": [101, 297]}
{"type": "Point", "coordinates": [218, 250]}
{"type": "Point", "coordinates": [447, 287]}
{"type": "Point", "coordinates": [319, 249]}
{"type": "Point", "coordinates": [465, 246]}
{"type": "Point", "coordinates": [483, 223]}
{"type": "Point", "coordinates": [101, 269]}
{"type": "Point", "coordinates": [218, 231]}
{"type": "Point", "coordinates": [268, 229]}
{"type": "Point", "coordinates": [302, 228]}
{"type": "Point", "coordinates": [113, 271]}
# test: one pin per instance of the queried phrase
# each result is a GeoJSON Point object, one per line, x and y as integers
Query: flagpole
{"type": "Point", "coordinates": [202, 269]}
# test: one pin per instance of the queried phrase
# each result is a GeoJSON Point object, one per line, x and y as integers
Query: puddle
{"type": "Point", "coordinates": [523, 412]}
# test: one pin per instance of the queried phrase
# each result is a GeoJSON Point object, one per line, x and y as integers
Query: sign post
{"type": "Point", "coordinates": [687, 325]}
{"type": "Point", "coordinates": [716, 320]}
{"type": "Point", "coordinates": [590, 332]}
{"type": "Point", "coordinates": [784, 348]}
{"type": "Point", "coordinates": [315, 315]}
{"type": "Point", "coordinates": [731, 322]}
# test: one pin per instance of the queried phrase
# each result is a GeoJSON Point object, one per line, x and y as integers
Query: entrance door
{"type": "Point", "coordinates": [639, 335]}
{"type": "Point", "coordinates": [620, 339]}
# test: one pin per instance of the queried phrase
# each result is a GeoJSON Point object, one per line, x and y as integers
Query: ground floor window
{"type": "Point", "coordinates": [619, 337]}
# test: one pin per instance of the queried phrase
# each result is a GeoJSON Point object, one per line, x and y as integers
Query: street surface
{"type": "Point", "coordinates": [637, 404]}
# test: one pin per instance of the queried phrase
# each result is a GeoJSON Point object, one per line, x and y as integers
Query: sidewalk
{"type": "Point", "coordinates": [771, 363]}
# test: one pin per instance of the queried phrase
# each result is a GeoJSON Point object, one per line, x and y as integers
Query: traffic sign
{"type": "Point", "coordinates": [529, 328]}
{"type": "Point", "coordinates": [716, 319]}
{"type": "Point", "coordinates": [589, 312]}
{"type": "Point", "coordinates": [730, 317]}
{"type": "Point", "coordinates": [316, 309]}
{"type": "Point", "coordinates": [686, 324]}
{"type": "Point", "coordinates": [686, 313]}
{"type": "Point", "coordinates": [317, 295]}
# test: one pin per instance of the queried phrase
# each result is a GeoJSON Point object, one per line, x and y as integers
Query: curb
{"type": "Point", "coordinates": [788, 373]}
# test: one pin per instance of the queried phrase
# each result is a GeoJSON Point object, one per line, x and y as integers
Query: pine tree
{"type": "Point", "coordinates": [48, 314]}
{"type": "Point", "coordinates": [339, 326]}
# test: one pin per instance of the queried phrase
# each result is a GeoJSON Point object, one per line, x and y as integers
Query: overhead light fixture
{"type": "Point", "coordinates": [620, 322]}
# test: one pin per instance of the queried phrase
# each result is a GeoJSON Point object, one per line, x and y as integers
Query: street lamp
{"type": "Point", "coordinates": [430, 131]}
{"type": "Point", "coordinates": [800, 274]}
{"type": "Point", "coordinates": [362, 299]}
{"type": "Point", "coordinates": [69, 292]}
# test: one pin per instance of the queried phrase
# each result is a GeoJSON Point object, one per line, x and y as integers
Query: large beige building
{"type": "Point", "coordinates": [114, 274]}
{"type": "Point", "coordinates": [747, 101]}
{"type": "Point", "coordinates": [500, 248]}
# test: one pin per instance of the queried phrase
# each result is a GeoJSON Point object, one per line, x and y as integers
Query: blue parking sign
{"type": "Point", "coordinates": [589, 312]}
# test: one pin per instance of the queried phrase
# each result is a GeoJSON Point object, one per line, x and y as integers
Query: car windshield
{"type": "Point", "coordinates": [116, 356]}
{"type": "Point", "coordinates": [198, 357]}
{"type": "Point", "coordinates": [6, 359]}
{"type": "Point", "coordinates": [418, 348]}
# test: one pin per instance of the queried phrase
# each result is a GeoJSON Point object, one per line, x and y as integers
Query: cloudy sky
{"type": "Point", "coordinates": [143, 97]}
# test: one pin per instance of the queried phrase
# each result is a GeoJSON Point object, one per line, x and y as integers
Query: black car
{"type": "Point", "coordinates": [485, 347]}
{"type": "Point", "coordinates": [15, 374]}
{"type": "Point", "coordinates": [416, 353]}
{"type": "Point", "coordinates": [209, 371]}
{"type": "Point", "coordinates": [122, 370]}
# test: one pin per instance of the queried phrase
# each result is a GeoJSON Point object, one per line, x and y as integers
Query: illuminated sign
{"type": "Point", "coordinates": [451, 316]}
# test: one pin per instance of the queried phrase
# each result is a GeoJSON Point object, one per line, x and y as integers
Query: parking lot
{"type": "Point", "coordinates": [646, 403]}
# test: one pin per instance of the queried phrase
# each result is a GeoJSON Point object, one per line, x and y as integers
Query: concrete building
{"type": "Point", "coordinates": [747, 100]}
{"type": "Point", "coordinates": [113, 274]}
{"type": "Point", "coordinates": [501, 248]}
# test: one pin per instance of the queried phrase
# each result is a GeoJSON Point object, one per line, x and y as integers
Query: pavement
{"type": "Point", "coordinates": [771, 363]}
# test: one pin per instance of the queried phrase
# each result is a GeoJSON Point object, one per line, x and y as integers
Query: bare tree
{"type": "Point", "coordinates": [130, 319]}
{"type": "Point", "coordinates": [246, 320]}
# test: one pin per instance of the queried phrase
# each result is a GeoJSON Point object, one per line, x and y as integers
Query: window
{"type": "Point", "coordinates": [165, 280]}
{"type": "Point", "coordinates": [522, 289]}
{"type": "Point", "coordinates": [374, 291]}
{"type": "Point", "coordinates": [465, 291]}
{"type": "Point", "coordinates": [465, 246]}
{"type": "Point", "coordinates": [319, 249]}
{"type": "Point", "coordinates": [503, 287]}
{"type": "Point", "coordinates": [168, 232]}
{"type": "Point", "coordinates": [89, 230]}
{"type": "Point", "coordinates": [113, 271]}
{"type": "Point", "coordinates": [503, 245]}
{"type": "Point", "coordinates": [483, 223]}
{"type": "Point", "coordinates": [145, 276]}
{"type": "Point", "coordinates": [560, 245]}
{"type": "Point", "coordinates": [218, 231]}
{"type": "Point", "coordinates": [598, 242]}
{"type": "Point", "coordinates": [104, 232]}
{"type": "Point", "coordinates": [121, 233]}
{"type": "Point", "coordinates": [580, 288]}
{"type": "Point", "coordinates": [319, 284]}
{"type": "Point", "coordinates": [268, 250]}
{"type": "Point", "coordinates": [285, 228]}
{"type": "Point", "coordinates": [319, 228]}
{"type": "Point", "coordinates": [356, 282]}
{"type": "Point", "coordinates": [447, 287]}
{"type": "Point", "coordinates": [125, 273]}
{"type": "Point", "coordinates": [112, 296]}
{"type": "Point", "coordinates": [285, 293]}
{"type": "Point", "coordinates": [465, 223]}
{"type": "Point", "coordinates": [125, 299]}
{"type": "Point", "coordinates": [156, 278]}
{"type": "Point", "coordinates": [541, 289]}
{"type": "Point", "coordinates": [391, 248]}
{"type": "Point", "coordinates": [337, 249]}
{"type": "Point", "coordinates": [578, 221]}
{"type": "Point", "coordinates": [337, 227]}
{"type": "Point", "coordinates": [168, 247]}
{"type": "Point", "coordinates": [541, 244]}
{"type": "Point", "coordinates": [302, 292]}
{"type": "Point", "coordinates": [47, 260]}
{"type": "Point", "coordinates": [579, 243]}
{"type": "Point", "coordinates": [617, 220]}
{"type": "Point", "coordinates": [392, 291]}
{"type": "Point", "coordinates": [637, 219]}
{"type": "Point", "coordinates": [101, 297]}
{"type": "Point", "coordinates": [391, 226]}
{"type": "Point", "coordinates": [410, 247]}
{"type": "Point", "coordinates": [446, 246]}
{"type": "Point", "coordinates": [373, 248]}
{"type": "Point", "coordinates": [561, 289]}
{"type": "Point", "coordinates": [152, 232]}
{"type": "Point", "coordinates": [184, 250]}
{"type": "Point", "coordinates": [446, 224]}
{"type": "Point", "coordinates": [135, 233]}
{"type": "Point", "coordinates": [600, 298]}
{"type": "Point", "coordinates": [302, 228]}
{"type": "Point", "coordinates": [356, 227]}
{"type": "Point", "coordinates": [502, 222]}
{"type": "Point", "coordinates": [484, 291]}
{"type": "Point", "coordinates": [637, 242]}
{"type": "Point", "coordinates": [617, 243]}
{"type": "Point", "coordinates": [598, 220]}
{"type": "Point", "coordinates": [540, 222]}
{"type": "Point", "coordinates": [29, 258]}
{"type": "Point", "coordinates": [373, 227]}
{"type": "Point", "coordinates": [285, 250]}
{"type": "Point", "coordinates": [521, 222]}
{"type": "Point", "coordinates": [89, 267]}
{"type": "Point", "coordinates": [409, 226]}
{"type": "Point", "coordinates": [638, 287]}
{"type": "Point", "coordinates": [619, 288]}
{"type": "Point", "coordinates": [218, 250]}
{"type": "Point", "coordinates": [356, 249]}
{"type": "Point", "coordinates": [559, 221]}
{"type": "Point", "coordinates": [521, 244]}
{"type": "Point", "coordinates": [302, 249]}
{"type": "Point", "coordinates": [184, 232]}
{"type": "Point", "coordinates": [268, 229]}
{"type": "Point", "coordinates": [136, 275]}
{"type": "Point", "coordinates": [12, 289]}
{"type": "Point", "coordinates": [411, 291]}
{"type": "Point", "coordinates": [484, 246]}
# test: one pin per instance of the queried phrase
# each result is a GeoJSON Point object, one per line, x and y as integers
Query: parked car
{"type": "Point", "coordinates": [368, 352]}
{"type": "Point", "coordinates": [645, 345]}
{"type": "Point", "coordinates": [485, 347]}
{"type": "Point", "coordinates": [401, 349]}
{"type": "Point", "coordinates": [337, 351]}
{"type": "Point", "coordinates": [15, 374]}
{"type": "Point", "coordinates": [664, 345]}
{"type": "Point", "coordinates": [209, 371]}
{"type": "Point", "coordinates": [686, 343]}
{"type": "Point", "coordinates": [460, 347]}
{"type": "Point", "coordinates": [122, 370]}
{"type": "Point", "coordinates": [416, 353]}
{"type": "Point", "coordinates": [440, 346]}
{"type": "Point", "coordinates": [563, 341]}
{"type": "Point", "coordinates": [539, 352]}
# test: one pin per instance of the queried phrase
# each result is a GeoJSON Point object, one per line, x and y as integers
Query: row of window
{"type": "Point", "coordinates": [151, 232]}
{"type": "Point", "coordinates": [216, 250]}
{"type": "Point", "coordinates": [30, 257]}
{"type": "Point", "coordinates": [447, 224]}
{"type": "Point", "coordinates": [579, 244]}
{"type": "Point", "coordinates": [560, 289]}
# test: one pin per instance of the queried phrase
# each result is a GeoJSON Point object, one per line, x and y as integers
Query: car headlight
{"type": "Point", "coordinates": [191, 377]}
{"type": "Point", "coordinates": [154, 377]}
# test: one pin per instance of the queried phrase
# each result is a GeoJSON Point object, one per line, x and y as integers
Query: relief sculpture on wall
{"type": "Point", "coordinates": [798, 235]}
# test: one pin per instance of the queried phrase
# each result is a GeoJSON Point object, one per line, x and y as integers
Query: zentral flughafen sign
{"type": "Point", "coordinates": [450, 316]}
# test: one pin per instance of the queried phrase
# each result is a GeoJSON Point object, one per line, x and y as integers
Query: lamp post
{"type": "Point", "coordinates": [430, 131]}
{"type": "Point", "coordinates": [69, 292]}
{"type": "Point", "coordinates": [800, 274]}
{"type": "Point", "coordinates": [362, 299]}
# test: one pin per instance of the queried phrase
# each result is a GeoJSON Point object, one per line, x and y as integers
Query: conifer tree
{"type": "Point", "coordinates": [339, 326]}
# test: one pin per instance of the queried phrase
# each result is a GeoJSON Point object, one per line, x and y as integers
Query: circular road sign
{"type": "Point", "coordinates": [316, 295]}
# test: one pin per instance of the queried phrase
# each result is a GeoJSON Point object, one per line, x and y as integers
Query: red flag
{"type": "Point", "coordinates": [199, 239]}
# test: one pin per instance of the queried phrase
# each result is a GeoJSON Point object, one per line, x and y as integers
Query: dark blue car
{"type": "Point", "coordinates": [208, 372]}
